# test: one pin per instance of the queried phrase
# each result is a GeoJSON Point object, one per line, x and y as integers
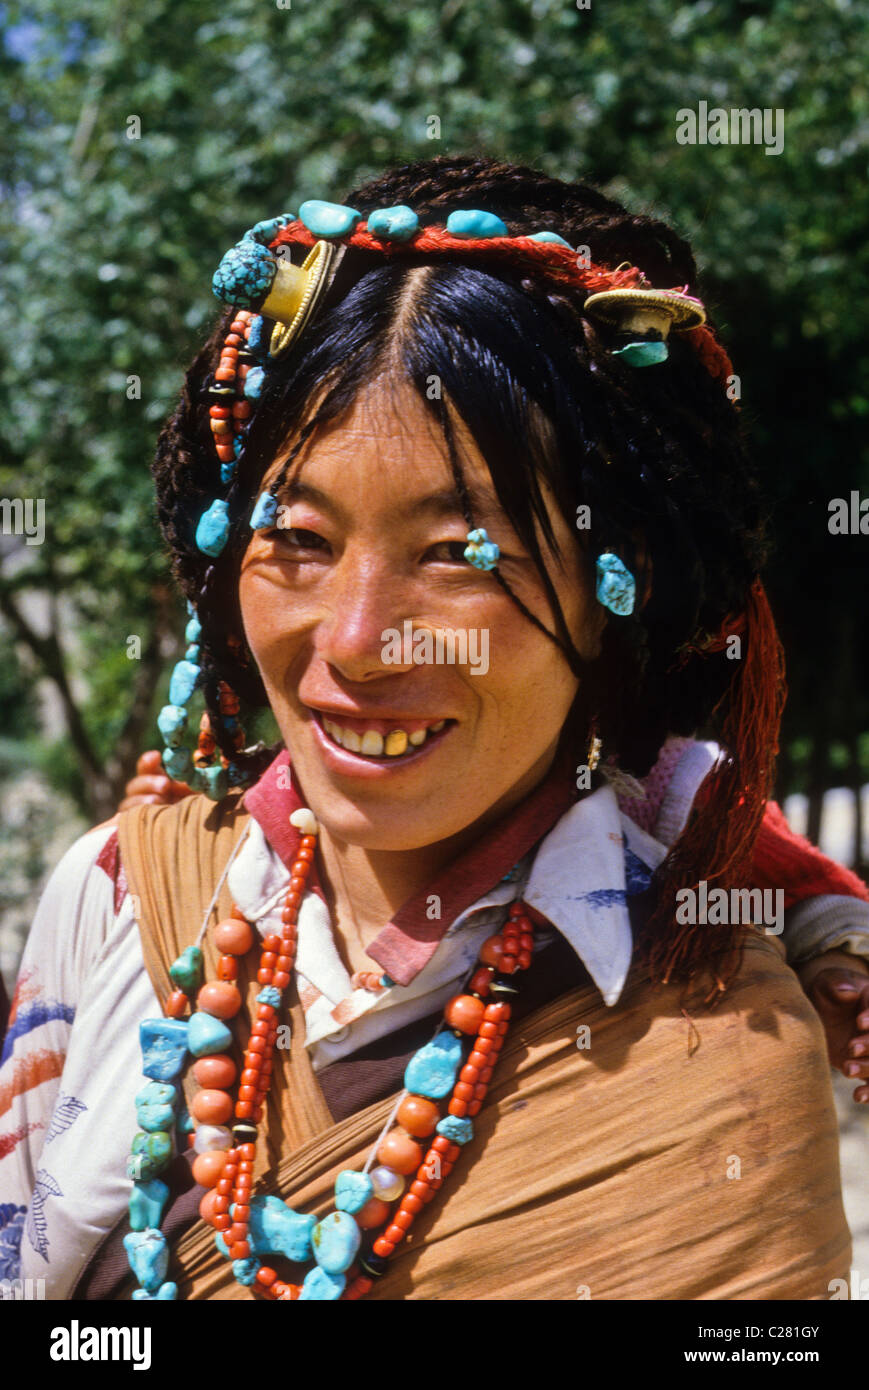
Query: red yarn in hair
{"type": "Point", "coordinates": [719, 838]}
{"type": "Point", "coordinates": [558, 262]}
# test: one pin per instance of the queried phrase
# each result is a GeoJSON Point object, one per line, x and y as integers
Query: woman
{"type": "Point", "coordinates": [470, 511]}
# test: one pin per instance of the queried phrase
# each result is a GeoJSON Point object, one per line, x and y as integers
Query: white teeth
{"type": "Point", "coordinates": [418, 738]}
{"type": "Point", "coordinates": [351, 740]}
{"type": "Point", "coordinates": [396, 743]}
{"type": "Point", "coordinates": [436, 728]}
{"type": "Point", "coordinates": [372, 743]}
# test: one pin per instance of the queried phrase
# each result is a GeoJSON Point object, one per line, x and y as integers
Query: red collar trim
{"type": "Point", "coordinates": [408, 942]}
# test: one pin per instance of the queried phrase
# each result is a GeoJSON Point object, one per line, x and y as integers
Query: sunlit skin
{"type": "Point", "coordinates": [367, 549]}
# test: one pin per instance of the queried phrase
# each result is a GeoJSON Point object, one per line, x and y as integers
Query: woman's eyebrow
{"type": "Point", "coordinates": [442, 504]}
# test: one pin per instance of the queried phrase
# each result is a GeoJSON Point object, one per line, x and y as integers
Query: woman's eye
{"type": "Point", "coordinates": [451, 551]}
{"type": "Point", "coordinates": [295, 538]}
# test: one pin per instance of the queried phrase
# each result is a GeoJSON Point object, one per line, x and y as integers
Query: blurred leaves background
{"type": "Point", "coordinates": [108, 243]}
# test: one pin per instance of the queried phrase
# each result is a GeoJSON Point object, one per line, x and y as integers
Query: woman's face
{"type": "Point", "coordinates": [395, 745]}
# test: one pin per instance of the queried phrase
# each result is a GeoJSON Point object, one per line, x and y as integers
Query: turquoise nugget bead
{"type": "Point", "coordinates": [146, 1204]}
{"type": "Point", "coordinates": [352, 1190]}
{"type": "Point", "coordinates": [245, 275]}
{"type": "Point", "coordinates": [207, 1034]}
{"type": "Point", "coordinates": [183, 682]}
{"type": "Point", "coordinates": [270, 995]}
{"type": "Point", "coordinates": [321, 1287]}
{"type": "Point", "coordinates": [335, 1240]}
{"type": "Point", "coordinates": [214, 781]}
{"type": "Point", "coordinates": [616, 588]}
{"type": "Point", "coordinates": [275, 1229]}
{"type": "Point", "coordinates": [245, 1271]}
{"type": "Point", "coordinates": [172, 721]}
{"type": "Point", "coordinates": [150, 1155]}
{"type": "Point", "coordinates": [186, 970]}
{"type": "Point", "coordinates": [163, 1294]}
{"type": "Point", "coordinates": [253, 383]}
{"type": "Point", "coordinates": [193, 630]}
{"type": "Point", "coordinates": [266, 231]}
{"type": "Point", "coordinates": [328, 219]}
{"type": "Point", "coordinates": [551, 237]}
{"type": "Point", "coordinates": [393, 224]}
{"type": "Point", "coordinates": [265, 511]}
{"type": "Point", "coordinates": [176, 761]}
{"type": "Point", "coordinates": [643, 354]}
{"type": "Point", "coordinates": [473, 223]}
{"type": "Point", "coordinates": [157, 1093]}
{"type": "Point", "coordinates": [193, 653]}
{"type": "Point", "coordinates": [184, 1121]}
{"type": "Point", "coordinates": [148, 1254]}
{"type": "Point", "coordinates": [431, 1072]}
{"type": "Point", "coordinates": [212, 533]}
{"type": "Point", "coordinates": [258, 336]}
{"type": "Point", "coordinates": [457, 1130]}
{"type": "Point", "coordinates": [164, 1047]}
{"type": "Point", "coordinates": [154, 1117]}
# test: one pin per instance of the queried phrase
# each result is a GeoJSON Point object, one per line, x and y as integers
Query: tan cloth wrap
{"type": "Point", "coordinates": [671, 1159]}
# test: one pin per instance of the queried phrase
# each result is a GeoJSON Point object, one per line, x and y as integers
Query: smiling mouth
{"type": "Point", "coordinates": [385, 744]}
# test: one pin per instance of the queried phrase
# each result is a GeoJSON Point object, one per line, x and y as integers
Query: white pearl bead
{"type": "Point", "coordinates": [212, 1137]}
{"type": "Point", "coordinates": [304, 821]}
{"type": "Point", "coordinates": [387, 1184]}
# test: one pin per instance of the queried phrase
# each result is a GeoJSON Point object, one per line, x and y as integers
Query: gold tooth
{"type": "Point", "coordinates": [396, 743]}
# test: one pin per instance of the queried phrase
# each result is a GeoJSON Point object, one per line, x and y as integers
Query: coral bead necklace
{"type": "Point", "coordinates": [408, 1164]}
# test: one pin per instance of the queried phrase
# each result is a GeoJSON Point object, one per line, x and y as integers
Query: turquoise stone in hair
{"type": "Point", "coordinates": [212, 532]}
{"type": "Point", "coordinates": [164, 1046]}
{"type": "Point", "coordinates": [206, 1034]}
{"type": "Point", "coordinates": [172, 721]}
{"type": "Point", "coordinates": [266, 231]}
{"type": "Point", "coordinates": [148, 1254]}
{"type": "Point", "coordinates": [352, 1190]}
{"type": "Point", "coordinates": [457, 1130]}
{"type": "Point", "coordinates": [318, 1286]}
{"type": "Point", "coordinates": [193, 630]}
{"type": "Point", "coordinates": [146, 1204]}
{"type": "Point", "coordinates": [642, 354]}
{"type": "Point", "coordinates": [480, 552]}
{"type": "Point", "coordinates": [616, 588]}
{"type": "Point", "coordinates": [474, 223]}
{"type": "Point", "coordinates": [186, 970]}
{"type": "Point", "coordinates": [176, 762]}
{"type": "Point", "coordinates": [393, 224]}
{"type": "Point", "coordinates": [253, 383]}
{"type": "Point", "coordinates": [258, 336]}
{"type": "Point", "coordinates": [265, 511]}
{"type": "Point", "coordinates": [244, 276]}
{"type": "Point", "coordinates": [552, 237]}
{"type": "Point", "coordinates": [183, 682]}
{"type": "Point", "coordinates": [328, 219]}
{"type": "Point", "coordinates": [193, 653]}
{"type": "Point", "coordinates": [431, 1072]}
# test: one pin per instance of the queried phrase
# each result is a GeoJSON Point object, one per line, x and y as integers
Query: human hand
{"type": "Point", "coordinates": [838, 985]}
{"type": "Point", "coordinates": [151, 786]}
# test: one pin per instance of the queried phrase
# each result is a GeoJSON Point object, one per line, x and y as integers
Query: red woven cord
{"type": "Point", "coordinates": [784, 859]}
{"type": "Point", "coordinates": [559, 262]}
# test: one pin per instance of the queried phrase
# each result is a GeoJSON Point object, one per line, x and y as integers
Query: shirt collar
{"type": "Point", "coordinates": [407, 943]}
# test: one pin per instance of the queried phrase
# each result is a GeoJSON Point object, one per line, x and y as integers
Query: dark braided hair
{"type": "Point", "coordinates": [657, 455]}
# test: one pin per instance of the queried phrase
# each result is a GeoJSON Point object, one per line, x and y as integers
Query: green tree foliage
{"type": "Point", "coordinates": [143, 139]}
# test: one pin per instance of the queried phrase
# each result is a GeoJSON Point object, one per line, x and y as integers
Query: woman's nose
{"type": "Point", "coordinates": [364, 605]}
